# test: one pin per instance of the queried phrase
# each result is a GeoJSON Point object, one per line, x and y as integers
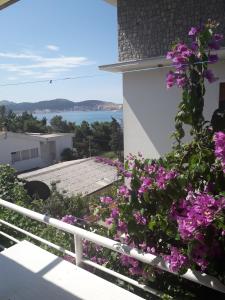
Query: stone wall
{"type": "Point", "coordinates": [147, 27]}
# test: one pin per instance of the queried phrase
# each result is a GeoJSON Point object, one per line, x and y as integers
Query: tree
{"type": "Point", "coordinates": [116, 141]}
{"type": "Point", "coordinates": [68, 154]}
{"type": "Point", "coordinates": [82, 140]}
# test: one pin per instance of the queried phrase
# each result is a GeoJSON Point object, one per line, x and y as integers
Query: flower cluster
{"type": "Point", "coordinates": [69, 219]}
{"type": "Point", "coordinates": [139, 218]}
{"type": "Point", "coordinates": [219, 139]}
{"type": "Point", "coordinates": [183, 56]}
{"type": "Point", "coordinates": [174, 206]}
{"type": "Point", "coordinates": [196, 212]}
{"type": "Point", "coordinates": [176, 260]}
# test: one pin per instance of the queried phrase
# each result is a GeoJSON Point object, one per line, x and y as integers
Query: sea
{"type": "Point", "coordinates": [79, 116]}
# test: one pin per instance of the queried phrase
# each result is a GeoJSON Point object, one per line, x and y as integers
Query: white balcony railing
{"type": "Point", "coordinates": [80, 234]}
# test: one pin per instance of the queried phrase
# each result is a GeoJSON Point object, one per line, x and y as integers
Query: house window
{"type": "Point", "coordinates": [16, 156]}
{"type": "Point", "coordinates": [34, 153]}
{"type": "Point", "coordinates": [24, 155]}
{"type": "Point", "coordinates": [222, 92]}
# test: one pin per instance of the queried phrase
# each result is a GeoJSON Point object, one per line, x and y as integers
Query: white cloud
{"type": "Point", "coordinates": [12, 78]}
{"type": "Point", "coordinates": [52, 47]}
{"type": "Point", "coordinates": [37, 66]}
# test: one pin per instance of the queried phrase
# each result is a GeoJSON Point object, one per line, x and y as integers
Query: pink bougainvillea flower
{"type": "Point", "coordinates": [176, 260]}
{"type": "Point", "coordinates": [124, 191]}
{"type": "Point", "coordinates": [69, 219]}
{"type": "Point", "coordinates": [193, 31]}
{"type": "Point", "coordinates": [106, 200]}
{"type": "Point", "coordinates": [208, 74]}
{"type": "Point", "coordinates": [139, 218]}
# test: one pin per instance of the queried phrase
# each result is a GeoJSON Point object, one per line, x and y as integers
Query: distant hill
{"type": "Point", "coordinates": [58, 105]}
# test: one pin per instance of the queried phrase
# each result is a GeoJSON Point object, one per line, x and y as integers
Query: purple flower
{"type": "Point", "coordinates": [199, 255]}
{"type": "Point", "coordinates": [194, 46]}
{"type": "Point", "coordinates": [106, 200]}
{"type": "Point", "coordinates": [115, 213]}
{"type": "Point", "coordinates": [176, 260]}
{"type": "Point", "coordinates": [181, 81]}
{"type": "Point", "coordinates": [139, 218]}
{"type": "Point", "coordinates": [208, 74]}
{"type": "Point", "coordinates": [136, 271]}
{"type": "Point", "coordinates": [163, 177]}
{"type": "Point", "coordinates": [109, 221]}
{"type": "Point", "coordinates": [218, 37]}
{"type": "Point", "coordinates": [196, 212]}
{"type": "Point", "coordinates": [124, 191]}
{"type": "Point", "coordinates": [122, 226]}
{"type": "Point", "coordinates": [146, 183]}
{"type": "Point", "coordinates": [213, 58]}
{"type": "Point", "coordinates": [69, 219]}
{"type": "Point", "coordinates": [170, 79]}
{"type": "Point", "coordinates": [170, 55]}
{"type": "Point", "coordinates": [193, 31]}
{"type": "Point", "coordinates": [219, 139]}
{"type": "Point", "coordinates": [186, 227]}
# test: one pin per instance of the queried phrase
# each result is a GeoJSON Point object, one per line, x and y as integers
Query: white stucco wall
{"type": "Point", "coordinates": [19, 142]}
{"type": "Point", "coordinates": [149, 110]}
{"type": "Point", "coordinates": [14, 144]}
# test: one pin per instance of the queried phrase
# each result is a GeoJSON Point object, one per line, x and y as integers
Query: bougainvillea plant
{"type": "Point", "coordinates": [191, 69]}
{"type": "Point", "coordinates": [173, 207]}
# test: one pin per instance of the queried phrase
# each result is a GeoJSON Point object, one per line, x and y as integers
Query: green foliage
{"type": "Point", "coordinates": [11, 188]}
{"type": "Point", "coordinates": [68, 154]}
{"type": "Point", "coordinates": [21, 123]}
{"type": "Point", "coordinates": [59, 125]}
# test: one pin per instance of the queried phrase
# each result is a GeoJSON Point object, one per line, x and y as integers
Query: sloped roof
{"type": "Point", "coordinates": [84, 176]}
{"type": "Point", "coordinates": [5, 3]}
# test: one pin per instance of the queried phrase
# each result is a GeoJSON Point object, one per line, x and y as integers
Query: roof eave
{"type": "Point", "coordinates": [145, 64]}
{"type": "Point", "coordinates": [6, 3]}
{"type": "Point", "coordinates": [112, 2]}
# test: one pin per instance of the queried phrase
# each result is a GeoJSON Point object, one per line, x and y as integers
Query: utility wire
{"type": "Point", "coordinates": [50, 81]}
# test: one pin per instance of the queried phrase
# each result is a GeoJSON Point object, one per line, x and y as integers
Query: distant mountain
{"type": "Point", "coordinates": [58, 105]}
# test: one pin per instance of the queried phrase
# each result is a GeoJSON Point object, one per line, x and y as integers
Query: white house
{"type": "Point", "coordinates": [146, 30]}
{"type": "Point", "coordinates": [26, 151]}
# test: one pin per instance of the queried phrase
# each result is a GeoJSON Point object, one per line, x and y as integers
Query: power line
{"type": "Point", "coordinates": [50, 81]}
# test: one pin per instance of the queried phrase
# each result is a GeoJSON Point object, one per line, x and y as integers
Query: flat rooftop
{"type": "Point", "coordinates": [83, 176]}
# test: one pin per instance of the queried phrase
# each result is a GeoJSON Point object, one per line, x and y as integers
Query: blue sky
{"type": "Point", "coordinates": [50, 39]}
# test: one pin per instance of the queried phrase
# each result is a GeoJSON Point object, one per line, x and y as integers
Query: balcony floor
{"type": "Point", "coordinates": [31, 273]}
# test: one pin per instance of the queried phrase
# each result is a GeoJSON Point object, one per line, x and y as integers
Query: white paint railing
{"type": "Point", "coordinates": [80, 234]}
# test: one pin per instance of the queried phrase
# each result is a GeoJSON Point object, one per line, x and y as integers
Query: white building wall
{"type": "Point", "coordinates": [11, 143]}
{"type": "Point", "coordinates": [150, 108]}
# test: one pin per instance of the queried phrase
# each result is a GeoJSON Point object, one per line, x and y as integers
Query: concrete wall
{"type": "Point", "coordinates": [148, 27]}
{"type": "Point", "coordinates": [149, 110]}
{"type": "Point", "coordinates": [14, 144]}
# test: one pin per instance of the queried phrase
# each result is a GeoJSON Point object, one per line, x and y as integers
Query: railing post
{"type": "Point", "coordinates": [78, 249]}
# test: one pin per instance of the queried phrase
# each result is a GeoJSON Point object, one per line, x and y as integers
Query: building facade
{"type": "Point", "coordinates": [32, 151]}
{"type": "Point", "coordinates": [146, 30]}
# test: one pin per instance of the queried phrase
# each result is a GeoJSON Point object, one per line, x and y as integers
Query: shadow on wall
{"type": "Point", "coordinates": [150, 111]}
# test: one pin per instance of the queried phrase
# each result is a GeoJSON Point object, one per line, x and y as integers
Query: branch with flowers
{"type": "Point", "coordinates": [174, 206]}
{"type": "Point", "coordinates": [191, 63]}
